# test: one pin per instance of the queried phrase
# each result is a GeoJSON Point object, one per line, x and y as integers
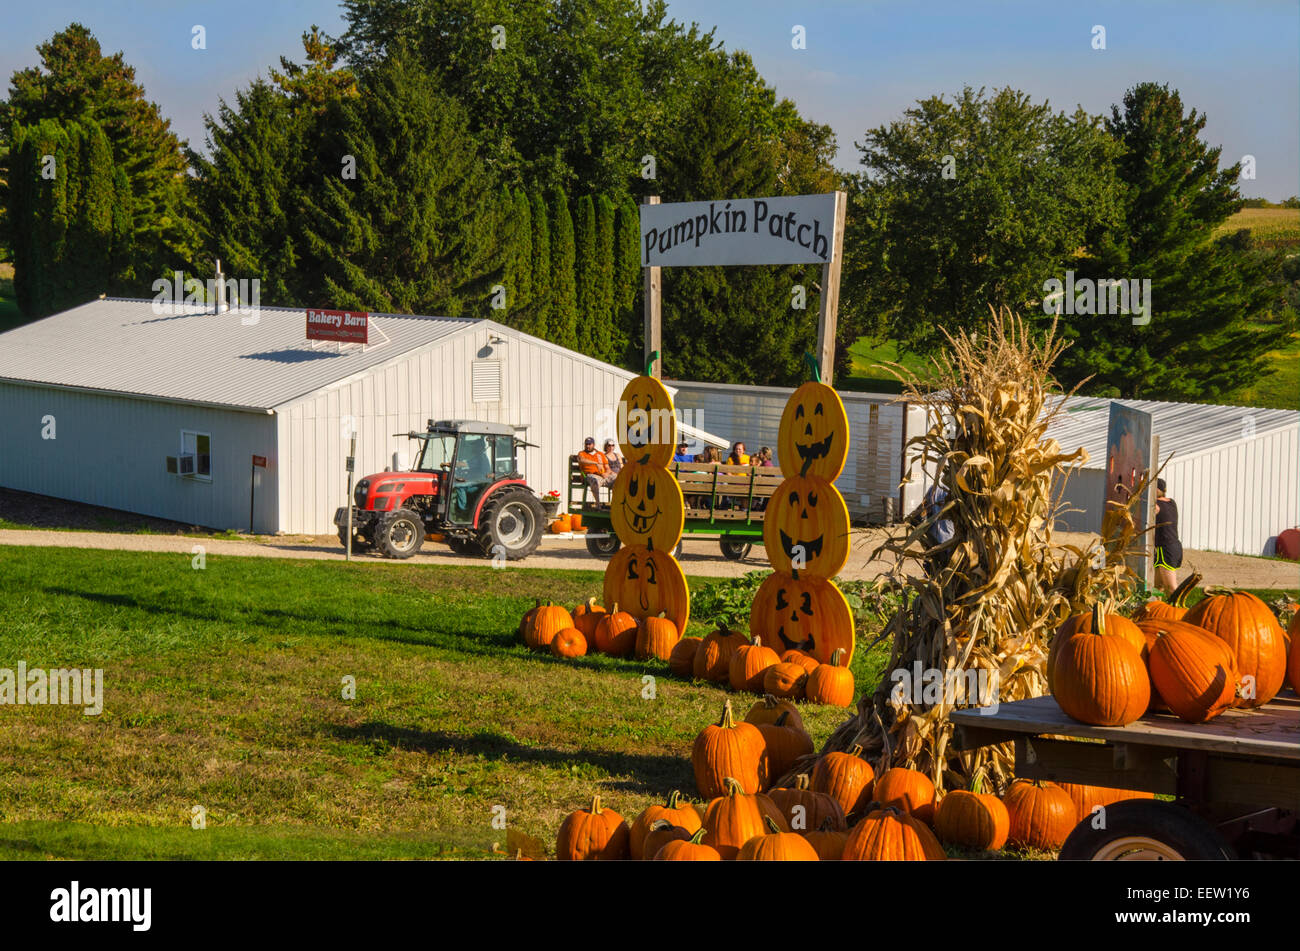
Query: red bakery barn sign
{"type": "Point", "coordinates": [345, 326]}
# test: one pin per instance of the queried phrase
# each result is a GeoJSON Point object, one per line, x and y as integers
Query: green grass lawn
{"type": "Point", "coordinates": [223, 689]}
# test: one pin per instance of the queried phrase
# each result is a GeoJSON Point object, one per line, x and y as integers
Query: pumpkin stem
{"type": "Point", "coordinates": [698, 838]}
{"type": "Point", "coordinates": [802, 781]}
{"type": "Point", "coordinates": [856, 750]}
{"type": "Point", "coordinates": [758, 641]}
{"type": "Point", "coordinates": [732, 786]}
{"type": "Point", "coordinates": [728, 721]}
{"type": "Point", "coordinates": [780, 721]}
{"type": "Point", "coordinates": [1178, 597]}
{"type": "Point", "coordinates": [771, 824]}
{"type": "Point", "coordinates": [835, 656]}
{"type": "Point", "coordinates": [595, 804]}
{"type": "Point", "coordinates": [660, 824]}
{"type": "Point", "coordinates": [1098, 618]}
{"type": "Point", "coordinates": [674, 798]}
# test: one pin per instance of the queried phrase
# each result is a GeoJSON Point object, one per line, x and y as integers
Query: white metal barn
{"type": "Point", "coordinates": [93, 401]}
{"type": "Point", "coordinates": [1234, 471]}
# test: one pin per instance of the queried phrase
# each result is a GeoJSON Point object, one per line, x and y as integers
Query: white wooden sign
{"type": "Point", "coordinates": [794, 229]}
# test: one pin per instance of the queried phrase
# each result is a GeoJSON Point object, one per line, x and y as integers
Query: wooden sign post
{"type": "Point", "coordinates": [828, 316]}
{"type": "Point", "coordinates": [654, 314]}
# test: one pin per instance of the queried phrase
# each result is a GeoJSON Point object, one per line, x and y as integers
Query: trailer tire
{"type": "Point", "coordinates": [734, 550]}
{"type": "Point", "coordinates": [400, 533]}
{"type": "Point", "coordinates": [511, 523]}
{"type": "Point", "coordinates": [604, 545]}
{"type": "Point", "coordinates": [1146, 829]}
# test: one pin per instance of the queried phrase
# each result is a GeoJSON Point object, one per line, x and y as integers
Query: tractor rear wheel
{"type": "Point", "coordinates": [400, 533]}
{"type": "Point", "coordinates": [510, 525]}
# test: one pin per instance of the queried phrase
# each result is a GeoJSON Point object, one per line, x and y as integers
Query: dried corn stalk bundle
{"type": "Point", "coordinates": [975, 624]}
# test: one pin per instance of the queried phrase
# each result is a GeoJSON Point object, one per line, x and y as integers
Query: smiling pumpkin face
{"type": "Point", "coordinates": [647, 508]}
{"type": "Point", "coordinates": [807, 614]}
{"type": "Point", "coordinates": [647, 428]}
{"type": "Point", "coordinates": [814, 436]}
{"type": "Point", "coordinates": [806, 528]}
{"type": "Point", "coordinates": [644, 583]}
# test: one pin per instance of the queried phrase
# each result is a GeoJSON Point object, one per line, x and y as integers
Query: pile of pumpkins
{"type": "Point", "coordinates": [722, 656]}
{"type": "Point", "coordinates": [567, 522]}
{"type": "Point", "coordinates": [1227, 651]}
{"type": "Point", "coordinates": [840, 811]}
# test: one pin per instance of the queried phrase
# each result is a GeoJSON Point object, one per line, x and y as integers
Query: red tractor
{"type": "Point", "coordinates": [465, 486]}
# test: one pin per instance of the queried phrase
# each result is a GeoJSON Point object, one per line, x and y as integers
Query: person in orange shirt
{"type": "Point", "coordinates": [595, 466]}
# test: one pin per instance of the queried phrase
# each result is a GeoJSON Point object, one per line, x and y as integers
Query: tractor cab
{"type": "Point", "coordinates": [465, 486]}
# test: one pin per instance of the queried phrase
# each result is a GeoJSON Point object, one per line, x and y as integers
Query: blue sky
{"type": "Point", "coordinates": [1238, 61]}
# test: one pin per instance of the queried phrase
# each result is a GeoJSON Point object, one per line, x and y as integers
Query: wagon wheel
{"type": "Point", "coordinates": [734, 550]}
{"type": "Point", "coordinates": [603, 544]}
{"type": "Point", "coordinates": [1138, 830]}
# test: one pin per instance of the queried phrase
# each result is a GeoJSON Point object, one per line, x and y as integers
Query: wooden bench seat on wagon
{"type": "Point", "coordinates": [706, 486]}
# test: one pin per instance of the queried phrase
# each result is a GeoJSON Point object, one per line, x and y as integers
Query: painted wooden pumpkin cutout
{"type": "Point", "coordinates": [647, 427]}
{"type": "Point", "coordinates": [808, 614]}
{"type": "Point", "coordinates": [814, 435]}
{"type": "Point", "coordinates": [645, 583]}
{"type": "Point", "coordinates": [647, 508]}
{"type": "Point", "coordinates": [806, 528]}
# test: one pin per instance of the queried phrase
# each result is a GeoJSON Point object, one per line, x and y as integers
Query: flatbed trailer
{"type": "Point", "coordinates": [1235, 780]}
{"type": "Point", "coordinates": [725, 502]}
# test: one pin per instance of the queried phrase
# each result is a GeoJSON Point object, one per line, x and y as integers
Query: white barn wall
{"type": "Point", "coordinates": [559, 395]}
{"type": "Point", "coordinates": [111, 450]}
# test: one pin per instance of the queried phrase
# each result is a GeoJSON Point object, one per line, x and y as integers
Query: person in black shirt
{"type": "Point", "coordinates": [1169, 550]}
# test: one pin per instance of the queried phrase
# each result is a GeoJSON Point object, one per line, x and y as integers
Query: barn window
{"type": "Point", "coordinates": [198, 447]}
{"type": "Point", "coordinates": [485, 381]}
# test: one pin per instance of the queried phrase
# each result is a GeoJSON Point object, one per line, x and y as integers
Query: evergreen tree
{"type": "Point", "coordinates": [590, 331]}
{"type": "Point", "coordinates": [523, 255]}
{"type": "Point", "coordinates": [612, 342]}
{"type": "Point", "coordinates": [539, 319]}
{"type": "Point", "coordinates": [563, 325]}
{"type": "Point", "coordinates": [1203, 339]}
{"type": "Point", "coordinates": [627, 280]}
{"type": "Point", "coordinates": [75, 82]}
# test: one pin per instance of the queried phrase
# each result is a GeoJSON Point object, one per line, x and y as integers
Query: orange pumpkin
{"type": "Point", "coordinates": [1085, 623]}
{"type": "Point", "coordinates": [1194, 672]}
{"type": "Point", "coordinates": [585, 618]}
{"type": "Point", "coordinates": [807, 661]}
{"type": "Point", "coordinates": [845, 777]}
{"type": "Point", "coordinates": [676, 811]}
{"type": "Point", "coordinates": [1088, 798]}
{"type": "Point", "coordinates": [806, 809]}
{"type": "Point", "coordinates": [785, 680]}
{"type": "Point", "coordinates": [973, 820]}
{"type": "Point", "coordinates": [887, 834]}
{"type": "Point", "coordinates": [693, 850]}
{"type": "Point", "coordinates": [647, 426]}
{"type": "Point", "coordinates": [768, 709]}
{"type": "Point", "coordinates": [1175, 609]}
{"type": "Point", "coordinates": [569, 643]}
{"type": "Point", "coordinates": [806, 528]}
{"type": "Point", "coordinates": [656, 637]}
{"type": "Point", "coordinates": [646, 507]}
{"type": "Point", "coordinates": [525, 631]}
{"type": "Point", "coordinates": [782, 747]}
{"type": "Point", "coordinates": [749, 663]}
{"type": "Point", "coordinates": [647, 583]}
{"type": "Point", "coordinates": [616, 633]}
{"type": "Point", "coordinates": [591, 834]}
{"type": "Point", "coordinates": [828, 841]}
{"type": "Point", "coordinates": [813, 438]}
{"type": "Point", "coordinates": [549, 620]}
{"type": "Point", "coordinates": [660, 834]}
{"type": "Point", "coordinates": [681, 662]}
{"type": "Point", "coordinates": [807, 614]}
{"type": "Point", "coordinates": [727, 750]}
{"type": "Point", "coordinates": [908, 789]}
{"type": "Point", "coordinates": [713, 659]}
{"type": "Point", "coordinates": [777, 846]}
{"type": "Point", "coordinates": [831, 683]}
{"type": "Point", "coordinates": [1100, 678]}
{"type": "Point", "coordinates": [1249, 627]}
{"type": "Point", "coordinates": [735, 817]}
{"type": "Point", "coordinates": [1042, 815]}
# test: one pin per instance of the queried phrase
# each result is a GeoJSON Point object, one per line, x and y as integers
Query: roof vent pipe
{"type": "Point", "coordinates": [221, 289]}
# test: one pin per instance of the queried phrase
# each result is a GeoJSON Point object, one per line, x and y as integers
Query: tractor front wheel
{"type": "Point", "coordinates": [400, 533]}
{"type": "Point", "coordinates": [510, 525]}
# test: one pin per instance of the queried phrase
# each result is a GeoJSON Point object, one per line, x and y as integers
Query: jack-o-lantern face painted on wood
{"type": "Point", "coordinates": [807, 614]}
{"type": "Point", "coordinates": [647, 508]}
{"type": "Point", "coordinates": [806, 528]}
{"type": "Point", "coordinates": [647, 428]}
{"type": "Point", "coordinates": [645, 583]}
{"type": "Point", "coordinates": [814, 435]}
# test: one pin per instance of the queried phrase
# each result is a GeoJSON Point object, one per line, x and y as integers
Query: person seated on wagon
{"type": "Point", "coordinates": [614, 456]}
{"type": "Point", "coordinates": [595, 467]}
{"type": "Point", "coordinates": [682, 455]}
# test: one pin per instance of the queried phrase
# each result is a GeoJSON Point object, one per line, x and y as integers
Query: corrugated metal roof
{"type": "Point", "coordinates": [195, 356]}
{"type": "Point", "coordinates": [1183, 428]}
